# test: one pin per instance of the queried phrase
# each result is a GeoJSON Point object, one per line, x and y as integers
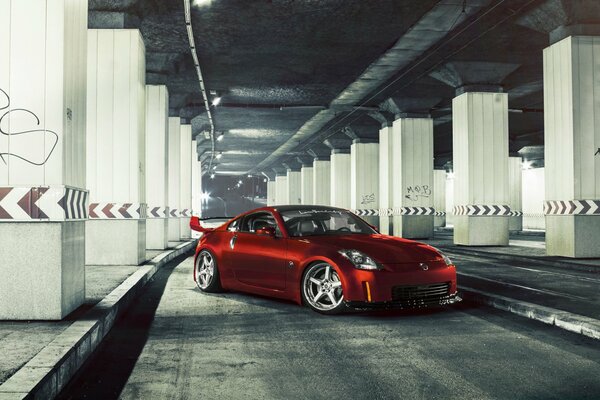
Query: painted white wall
{"type": "Point", "coordinates": [533, 186]}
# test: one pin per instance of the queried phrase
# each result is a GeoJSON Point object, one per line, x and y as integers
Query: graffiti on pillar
{"type": "Point", "coordinates": [32, 134]}
{"type": "Point", "coordinates": [368, 198]}
{"type": "Point", "coordinates": [415, 192]}
{"type": "Point", "coordinates": [597, 152]}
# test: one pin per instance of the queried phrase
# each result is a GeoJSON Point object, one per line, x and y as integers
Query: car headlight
{"type": "Point", "coordinates": [360, 260]}
{"type": "Point", "coordinates": [446, 259]}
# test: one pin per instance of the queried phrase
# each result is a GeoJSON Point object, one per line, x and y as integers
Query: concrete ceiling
{"type": "Point", "coordinates": [293, 73]}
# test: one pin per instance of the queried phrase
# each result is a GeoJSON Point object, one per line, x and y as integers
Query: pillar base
{"type": "Point", "coordinates": [439, 222]}
{"type": "Point", "coordinates": [574, 236]}
{"type": "Point", "coordinates": [480, 230]}
{"type": "Point", "coordinates": [413, 226]}
{"type": "Point", "coordinates": [42, 273]}
{"type": "Point", "coordinates": [515, 224]}
{"type": "Point", "coordinates": [115, 242]}
{"type": "Point", "coordinates": [156, 233]}
{"type": "Point", "coordinates": [174, 230]}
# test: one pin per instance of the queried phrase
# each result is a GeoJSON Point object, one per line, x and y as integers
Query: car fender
{"type": "Point", "coordinates": [314, 259]}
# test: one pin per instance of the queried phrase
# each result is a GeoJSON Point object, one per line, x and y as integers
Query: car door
{"type": "Point", "coordinates": [259, 260]}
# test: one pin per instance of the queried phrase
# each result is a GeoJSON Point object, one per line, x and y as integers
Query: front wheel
{"type": "Point", "coordinates": [322, 289]}
{"type": "Point", "coordinates": [207, 273]}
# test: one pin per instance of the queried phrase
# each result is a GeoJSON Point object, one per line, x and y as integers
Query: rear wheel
{"type": "Point", "coordinates": [207, 273]}
{"type": "Point", "coordinates": [322, 289]}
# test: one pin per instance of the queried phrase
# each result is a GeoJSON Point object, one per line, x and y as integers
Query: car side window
{"type": "Point", "coordinates": [255, 221]}
{"type": "Point", "coordinates": [234, 226]}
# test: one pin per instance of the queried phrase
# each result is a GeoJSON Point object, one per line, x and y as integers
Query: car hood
{"type": "Point", "coordinates": [383, 248]}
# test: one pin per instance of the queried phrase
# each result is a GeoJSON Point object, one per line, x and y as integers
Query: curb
{"type": "Point", "coordinates": [571, 322]}
{"type": "Point", "coordinates": [44, 376]}
{"type": "Point", "coordinates": [530, 260]}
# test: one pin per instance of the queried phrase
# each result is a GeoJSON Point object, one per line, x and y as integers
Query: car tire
{"type": "Point", "coordinates": [322, 289]}
{"type": "Point", "coordinates": [207, 274]}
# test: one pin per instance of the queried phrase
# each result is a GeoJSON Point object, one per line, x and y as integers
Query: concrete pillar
{"type": "Point", "coordinates": [196, 181]}
{"type": "Point", "coordinates": [306, 181]}
{"type": "Point", "coordinates": [196, 185]}
{"type": "Point", "coordinates": [340, 178]}
{"type": "Point", "coordinates": [364, 179]}
{"type": "Point", "coordinates": [413, 177]}
{"type": "Point", "coordinates": [294, 187]}
{"type": "Point", "coordinates": [174, 178]}
{"type": "Point", "coordinates": [43, 201]}
{"type": "Point", "coordinates": [534, 189]}
{"type": "Point", "coordinates": [439, 197]}
{"type": "Point", "coordinates": [387, 173]}
{"type": "Point", "coordinates": [321, 182]}
{"type": "Point", "coordinates": [271, 193]}
{"type": "Point", "coordinates": [116, 147]}
{"type": "Point", "coordinates": [450, 199]}
{"type": "Point", "coordinates": [281, 194]}
{"type": "Point", "coordinates": [157, 116]}
{"type": "Point", "coordinates": [572, 146]}
{"type": "Point", "coordinates": [515, 198]}
{"type": "Point", "coordinates": [185, 184]}
{"type": "Point", "coordinates": [480, 162]}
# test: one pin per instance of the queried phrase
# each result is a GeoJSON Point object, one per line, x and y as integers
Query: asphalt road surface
{"type": "Point", "coordinates": [177, 343]}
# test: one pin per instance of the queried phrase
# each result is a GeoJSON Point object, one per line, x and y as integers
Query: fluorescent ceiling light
{"type": "Point", "coordinates": [216, 101]}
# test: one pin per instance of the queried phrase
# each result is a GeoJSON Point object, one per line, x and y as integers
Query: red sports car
{"type": "Point", "coordinates": [325, 257]}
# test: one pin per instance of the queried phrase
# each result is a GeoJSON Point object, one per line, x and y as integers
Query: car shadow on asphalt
{"type": "Point", "coordinates": [105, 373]}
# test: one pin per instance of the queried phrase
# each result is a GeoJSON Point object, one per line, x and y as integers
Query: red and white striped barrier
{"type": "Point", "coordinates": [43, 203]}
{"type": "Point", "coordinates": [117, 211]}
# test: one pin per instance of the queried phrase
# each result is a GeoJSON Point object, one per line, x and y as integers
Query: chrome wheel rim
{"type": "Point", "coordinates": [322, 287]}
{"type": "Point", "coordinates": [205, 269]}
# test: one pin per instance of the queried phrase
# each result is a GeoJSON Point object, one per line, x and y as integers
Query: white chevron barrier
{"type": "Point", "coordinates": [186, 212]}
{"type": "Point", "coordinates": [117, 211]}
{"type": "Point", "coordinates": [388, 212]}
{"type": "Point", "coordinates": [157, 212]}
{"type": "Point", "coordinates": [572, 207]}
{"type": "Point", "coordinates": [43, 203]}
{"type": "Point", "coordinates": [482, 210]}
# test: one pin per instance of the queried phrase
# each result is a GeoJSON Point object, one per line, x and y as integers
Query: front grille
{"type": "Point", "coordinates": [420, 292]}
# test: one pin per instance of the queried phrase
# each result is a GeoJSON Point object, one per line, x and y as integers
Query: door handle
{"type": "Point", "coordinates": [232, 241]}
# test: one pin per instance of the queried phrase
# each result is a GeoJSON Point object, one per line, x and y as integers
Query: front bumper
{"type": "Point", "coordinates": [406, 304]}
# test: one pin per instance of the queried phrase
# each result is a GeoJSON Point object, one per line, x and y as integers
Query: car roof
{"type": "Point", "coordinates": [305, 207]}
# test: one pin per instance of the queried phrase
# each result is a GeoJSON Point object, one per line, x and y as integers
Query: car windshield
{"type": "Point", "coordinates": [311, 222]}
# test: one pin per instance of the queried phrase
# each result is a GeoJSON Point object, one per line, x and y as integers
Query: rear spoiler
{"type": "Point", "coordinates": [196, 226]}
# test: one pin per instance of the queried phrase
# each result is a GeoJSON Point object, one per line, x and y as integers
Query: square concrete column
{"type": "Point", "coordinates": [480, 162]}
{"type": "Point", "coordinates": [340, 178]}
{"type": "Point", "coordinates": [271, 193]}
{"type": "Point", "coordinates": [294, 187]}
{"type": "Point", "coordinates": [157, 117]}
{"type": "Point", "coordinates": [364, 179]}
{"type": "Point", "coordinates": [43, 201]}
{"type": "Point", "coordinates": [281, 190]}
{"type": "Point", "coordinates": [185, 184]}
{"type": "Point", "coordinates": [174, 178]}
{"type": "Point", "coordinates": [196, 181]}
{"type": "Point", "coordinates": [306, 182]}
{"type": "Point", "coordinates": [439, 197]}
{"type": "Point", "coordinates": [412, 176]}
{"type": "Point", "coordinates": [321, 182]}
{"type": "Point", "coordinates": [388, 172]}
{"type": "Point", "coordinates": [515, 197]}
{"type": "Point", "coordinates": [116, 147]}
{"type": "Point", "coordinates": [572, 146]}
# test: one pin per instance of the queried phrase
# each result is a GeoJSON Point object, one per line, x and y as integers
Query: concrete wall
{"type": "Point", "coordinates": [306, 181]}
{"type": "Point", "coordinates": [185, 180]}
{"type": "Point", "coordinates": [322, 182]}
{"type": "Point", "coordinates": [340, 180]}
{"type": "Point", "coordinates": [271, 193]}
{"type": "Point", "coordinates": [294, 187]}
{"type": "Point", "coordinates": [281, 190]}
{"type": "Point", "coordinates": [174, 178]}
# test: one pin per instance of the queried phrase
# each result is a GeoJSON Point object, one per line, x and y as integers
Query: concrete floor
{"type": "Point", "coordinates": [176, 342]}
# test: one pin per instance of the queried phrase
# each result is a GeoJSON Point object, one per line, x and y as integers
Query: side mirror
{"type": "Point", "coordinates": [266, 231]}
{"type": "Point", "coordinates": [195, 224]}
